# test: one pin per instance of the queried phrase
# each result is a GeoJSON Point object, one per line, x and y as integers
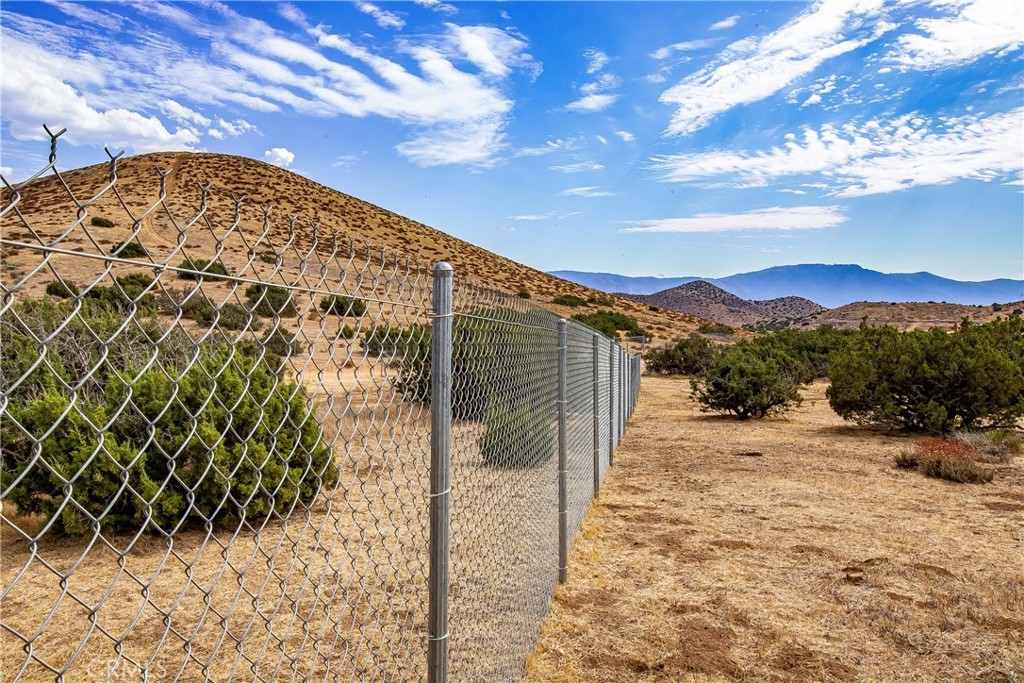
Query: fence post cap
{"type": "Point", "coordinates": [443, 267]}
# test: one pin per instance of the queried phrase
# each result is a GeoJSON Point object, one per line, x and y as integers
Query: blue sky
{"type": "Point", "coordinates": [653, 138]}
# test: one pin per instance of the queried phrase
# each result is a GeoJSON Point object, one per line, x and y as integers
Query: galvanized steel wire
{"type": "Point", "coordinates": [217, 433]}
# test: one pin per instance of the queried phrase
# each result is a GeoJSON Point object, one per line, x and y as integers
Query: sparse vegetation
{"type": "Point", "coordinates": [716, 328]}
{"type": "Point", "coordinates": [271, 300]}
{"type": "Point", "coordinates": [130, 249]}
{"type": "Point", "coordinates": [101, 222]}
{"type": "Point", "coordinates": [62, 289]}
{"type": "Point", "coordinates": [268, 258]}
{"type": "Point", "coordinates": [599, 301]}
{"type": "Point", "coordinates": [344, 306]}
{"type": "Point", "coordinates": [570, 300]}
{"type": "Point", "coordinates": [517, 435]}
{"type": "Point", "coordinates": [610, 323]}
{"type": "Point", "coordinates": [952, 459]}
{"type": "Point", "coordinates": [523, 294]}
{"type": "Point", "coordinates": [206, 269]}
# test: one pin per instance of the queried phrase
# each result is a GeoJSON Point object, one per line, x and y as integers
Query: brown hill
{"type": "Point", "coordinates": [705, 300]}
{"type": "Point", "coordinates": [907, 316]}
{"type": "Point", "coordinates": [47, 207]}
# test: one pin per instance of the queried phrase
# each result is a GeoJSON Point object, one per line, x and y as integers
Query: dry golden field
{"type": "Point", "coordinates": [788, 549]}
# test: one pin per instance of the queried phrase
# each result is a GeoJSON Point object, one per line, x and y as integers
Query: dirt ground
{"type": "Point", "coordinates": [787, 549]}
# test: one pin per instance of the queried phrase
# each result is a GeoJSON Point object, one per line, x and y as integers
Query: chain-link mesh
{"type": "Point", "coordinates": [216, 444]}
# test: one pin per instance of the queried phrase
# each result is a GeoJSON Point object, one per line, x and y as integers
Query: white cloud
{"type": "Point", "coordinates": [215, 133]}
{"type": "Point", "coordinates": [6, 172]}
{"type": "Point", "coordinates": [588, 191]}
{"type": "Point", "coordinates": [591, 103]}
{"type": "Point", "coordinates": [279, 156]}
{"type": "Point", "coordinates": [775, 218]}
{"type": "Point", "coordinates": [493, 50]}
{"type": "Point", "coordinates": [31, 94]}
{"type": "Point", "coordinates": [384, 18]}
{"type": "Point", "coordinates": [77, 10]}
{"type": "Point", "coordinates": [183, 114]}
{"type": "Point", "coordinates": [685, 46]}
{"type": "Point", "coordinates": [596, 60]}
{"type": "Point", "coordinates": [870, 158]}
{"type": "Point", "coordinates": [974, 29]}
{"type": "Point", "coordinates": [237, 127]}
{"type": "Point", "coordinates": [728, 22]}
{"type": "Point", "coordinates": [602, 139]}
{"type": "Point", "coordinates": [625, 135]}
{"type": "Point", "coordinates": [529, 217]}
{"type": "Point", "coordinates": [549, 147]}
{"type": "Point", "coordinates": [437, 6]}
{"type": "Point", "coordinates": [473, 142]}
{"type": "Point", "coordinates": [753, 69]}
{"type": "Point", "coordinates": [578, 168]}
{"type": "Point", "coordinates": [595, 95]}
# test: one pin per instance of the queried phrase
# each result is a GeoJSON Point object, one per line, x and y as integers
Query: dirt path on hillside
{"type": "Point", "coordinates": [786, 550]}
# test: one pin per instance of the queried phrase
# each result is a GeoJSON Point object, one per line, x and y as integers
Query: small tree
{"type": "Point", "coordinates": [748, 380]}
{"type": "Point", "coordinates": [688, 356]}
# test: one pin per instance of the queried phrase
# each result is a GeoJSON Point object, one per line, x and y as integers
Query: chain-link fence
{"type": "Point", "coordinates": [218, 431]}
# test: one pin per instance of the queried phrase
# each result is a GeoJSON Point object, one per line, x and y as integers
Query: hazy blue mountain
{"type": "Point", "coordinates": [609, 282]}
{"type": "Point", "coordinates": [828, 285]}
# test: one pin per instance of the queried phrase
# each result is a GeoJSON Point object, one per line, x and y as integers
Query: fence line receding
{"type": "Point", "coordinates": [218, 429]}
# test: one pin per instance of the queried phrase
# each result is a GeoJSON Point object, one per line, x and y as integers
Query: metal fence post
{"type": "Point", "coordinates": [597, 421]}
{"type": "Point", "coordinates": [563, 460]}
{"type": "Point", "coordinates": [440, 473]}
{"type": "Point", "coordinates": [611, 403]}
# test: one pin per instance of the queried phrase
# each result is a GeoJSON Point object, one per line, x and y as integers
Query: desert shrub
{"type": "Point", "coordinates": [570, 300]}
{"type": "Point", "coordinates": [268, 258]}
{"type": "Point", "coordinates": [344, 306]}
{"type": "Point", "coordinates": [271, 300]}
{"type": "Point", "coordinates": [347, 332]}
{"type": "Point", "coordinates": [748, 380]}
{"type": "Point", "coordinates": [999, 445]}
{"type": "Point", "coordinates": [598, 301]}
{"type": "Point", "coordinates": [517, 435]}
{"type": "Point", "coordinates": [907, 460]}
{"type": "Point", "coordinates": [229, 316]}
{"type": "Point", "coordinates": [996, 308]}
{"type": "Point", "coordinates": [652, 308]}
{"type": "Point", "coordinates": [523, 294]}
{"type": "Point", "coordinates": [130, 249]}
{"type": "Point", "coordinates": [179, 456]}
{"type": "Point", "coordinates": [488, 358]}
{"type": "Point", "coordinates": [931, 381]}
{"type": "Point", "coordinates": [960, 470]}
{"type": "Point", "coordinates": [199, 308]}
{"type": "Point", "coordinates": [609, 323]}
{"type": "Point", "coordinates": [63, 289]}
{"type": "Point", "coordinates": [281, 343]}
{"type": "Point", "coordinates": [126, 295]}
{"type": "Point", "coordinates": [101, 222]}
{"type": "Point", "coordinates": [688, 356]}
{"type": "Point", "coordinates": [814, 348]}
{"type": "Point", "coordinates": [1017, 311]}
{"type": "Point", "coordinates": [716, 328]}
{"type": "Point", "coordinates": [207, 269]}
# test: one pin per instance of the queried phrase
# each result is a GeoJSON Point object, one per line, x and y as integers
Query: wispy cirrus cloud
{"type": "Point", "coordinates": [446, 89]}
{"type": "Point", "coordinates": [753, 69]}
{"type": "Point", "coordinates": [578, 167]}
{"type": "Point", "coordinates": [383, 17]}
{"type": "Point", "coordinates": [971, 29]}
{"type": "Point", "coordinates": [598, 94]}
{"type": "Point", "coordinates": [874, 157]}
{"type": "Point", "coordinates": [728, 22]}
{"type": "Point", "coordinates": [586, 191]}
{"type": "Point", "coordinates": [774, 218]}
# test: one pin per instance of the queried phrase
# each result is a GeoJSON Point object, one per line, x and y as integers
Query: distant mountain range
{"type": "Point", "coordinates": [828, 285]}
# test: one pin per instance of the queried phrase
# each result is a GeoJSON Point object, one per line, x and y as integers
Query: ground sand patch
{"type": "Point", "coordinates": [817, 561]}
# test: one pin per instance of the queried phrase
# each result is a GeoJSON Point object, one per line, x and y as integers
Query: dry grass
{"type": "Point", "coordinates": [786, 550]}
